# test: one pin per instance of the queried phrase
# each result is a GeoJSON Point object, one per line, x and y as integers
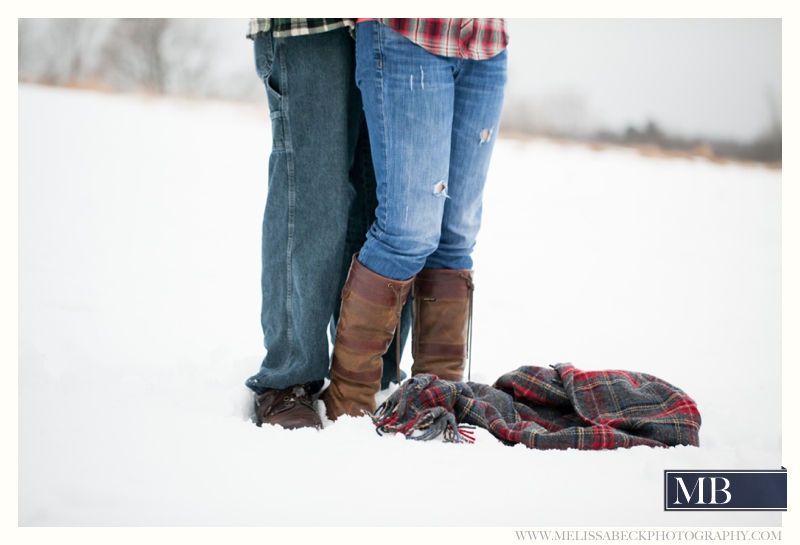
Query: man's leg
{"type": "Point", "coordinates": [310, 85]}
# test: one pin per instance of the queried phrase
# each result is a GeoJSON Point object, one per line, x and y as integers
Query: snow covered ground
{"type": "Point", "coordinates": [139, 240]}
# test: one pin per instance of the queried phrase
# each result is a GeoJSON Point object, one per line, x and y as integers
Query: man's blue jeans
{"type": "Point", "coordinates": [432, 124]}
{"type": "Point", "coordinates": [320, 202]}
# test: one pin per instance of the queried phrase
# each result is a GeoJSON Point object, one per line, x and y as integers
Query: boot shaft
{"type": "Point", "coordinates": [442, 312]}
{"type": "Point", "coordinates": [371, 307]}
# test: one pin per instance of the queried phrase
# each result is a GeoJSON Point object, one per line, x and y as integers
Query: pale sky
{"type": "Point", "coordinates": [695, 77]}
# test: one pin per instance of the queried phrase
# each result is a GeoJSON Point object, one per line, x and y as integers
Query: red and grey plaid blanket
{"type": "Point", "coordinates": [557, 408]}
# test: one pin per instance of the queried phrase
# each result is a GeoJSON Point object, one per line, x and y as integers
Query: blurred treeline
{"type": "Point", "coordinates": [565, 116]}
{"type": "Point", "coordinates": [192, 57]}
{"type": "Point", "coordinates": [165, 56]}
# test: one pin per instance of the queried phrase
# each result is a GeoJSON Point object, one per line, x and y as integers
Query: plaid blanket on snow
{"type": "Point", "coordinates": [558, 408]}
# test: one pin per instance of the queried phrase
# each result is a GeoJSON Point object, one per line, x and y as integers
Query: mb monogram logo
{"type": "Point", "coordinates": [735, 490]}
{"type": "Point", "coordinates": [699, 487]}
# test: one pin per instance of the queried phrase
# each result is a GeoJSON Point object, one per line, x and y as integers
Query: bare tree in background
{"type": "Point", "coordinates": [58, 51]}
{"type": "Point", "coordinates": [133, 56]}
{"type": "Point", "coordinates": [197, 52]}
{"type": "Point", "coordinates": [172, 56]}
{"type": "Point", "coordinates": [24, 32]}
{"type": "Point", "coordinates": [77, 41]}
{"type": "Point", "coordinates": [70, 34]}
{"type": "Point", "coordinates": [191, 50]}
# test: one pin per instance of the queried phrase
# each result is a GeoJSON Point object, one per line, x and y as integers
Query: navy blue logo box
{"type": "Point", "coordinates": [729, 490]}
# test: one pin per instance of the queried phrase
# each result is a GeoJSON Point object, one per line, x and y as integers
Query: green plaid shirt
{"type": "Point", "coordinates": [283, 28]}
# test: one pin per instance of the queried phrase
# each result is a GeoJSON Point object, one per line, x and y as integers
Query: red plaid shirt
{"type": "Point", "coordinates": [475, 39]}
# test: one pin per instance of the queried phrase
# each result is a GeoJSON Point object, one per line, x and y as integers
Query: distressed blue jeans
{"type": "Point", "coordinates": [320, 202]}
{"type": "Point", "coordinates": [433, 122]}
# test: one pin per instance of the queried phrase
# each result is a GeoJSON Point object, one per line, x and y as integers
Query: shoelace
{"type": "Point", "coordinates": [471, 288]}
{"type": "Point", "coordinates": [299, 394]}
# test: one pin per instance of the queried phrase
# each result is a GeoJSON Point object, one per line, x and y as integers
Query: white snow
{"type": "Point", "coordinates": [139, 241]}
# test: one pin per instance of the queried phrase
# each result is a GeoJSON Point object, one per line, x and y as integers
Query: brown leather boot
{"type": "Point", "coordinates": [442, 311]}
{"type": "Point", "coordinates": [371, 307]}
{"type": "Point", "coordinates": [289, 408]}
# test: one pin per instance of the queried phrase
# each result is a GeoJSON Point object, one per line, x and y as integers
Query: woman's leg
{"type": "Point", "coordinates": [408, 100]}
{"type": "Point", "coordinates": [479, 89]}
{"type": "Point", "coordinates": [362, 215]}
{"type": "Point", "coordinates": [443, 289]}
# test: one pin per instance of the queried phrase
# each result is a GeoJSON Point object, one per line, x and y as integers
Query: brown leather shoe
{"type": "Point", "coordinates": [289, 408]}
{"type": "Point", "coordinates": [441, 312]}
{"type": "Point", "coordinates": [371, 307]}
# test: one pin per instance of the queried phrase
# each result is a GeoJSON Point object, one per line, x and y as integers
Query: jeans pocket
{"type": "Point", "coordinates": [264, 55]}
{"type": "Point", "coordinates": [267, 53]}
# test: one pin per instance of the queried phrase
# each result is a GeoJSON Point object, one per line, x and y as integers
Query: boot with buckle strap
{"type": "Point", "coordinates": [369, 318]}
{"type": "Point", "coordinates": [442, 318]}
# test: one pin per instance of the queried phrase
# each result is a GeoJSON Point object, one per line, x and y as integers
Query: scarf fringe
{"type": "Point", "coordinates": [393, 417]}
